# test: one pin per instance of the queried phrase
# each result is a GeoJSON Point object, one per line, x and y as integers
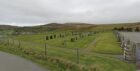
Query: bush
{"type": "Point", "coordinates": [129, 29]}
{"type": "Point", "coordinates": [72, 39]}
{"type": "Point", "coordinates": [137, 29]}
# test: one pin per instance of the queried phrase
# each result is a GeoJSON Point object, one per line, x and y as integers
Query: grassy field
{"type": "Point", "coordinates": [107, 43]}
{"type": "Point", "coordinates": [64, 59]}
{"type": "Point", "coordinates": [40, 38]}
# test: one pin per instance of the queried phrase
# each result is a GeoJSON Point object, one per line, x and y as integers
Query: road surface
{"type": "Point", "coordinates": [9, 62]}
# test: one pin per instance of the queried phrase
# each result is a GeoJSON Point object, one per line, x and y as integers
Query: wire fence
{"type": "Point", "coordinates": [41, 49]}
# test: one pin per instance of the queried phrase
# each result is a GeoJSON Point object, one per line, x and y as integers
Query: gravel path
{"type": "Point", "coordinates": [9, 62]}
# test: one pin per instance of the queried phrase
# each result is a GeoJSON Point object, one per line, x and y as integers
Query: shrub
{"type": "Point", "coordinates": [129, 29]}
{"type": "Point", "coordinates": [72, 39]}
{"type": "Point", "coordinates": [137, 29]}
{"type": "Point", "coordinates": [115, 28]}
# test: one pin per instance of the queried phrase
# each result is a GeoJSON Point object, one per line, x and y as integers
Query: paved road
{"type": "Point", "coordinates": [9, 62]}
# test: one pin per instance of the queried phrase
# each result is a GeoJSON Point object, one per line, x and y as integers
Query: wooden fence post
{"type": "Point", "coordinates": [65, 43]}
{"type": "Point", "coordinates": [19, 44]}
{"type": "Point", "coordinates": [8, 41]}
{"type": "Point", "coordinates": [77, 56]}
{"type": "Point", "coordinates": [45, 49]}
{"type": "Point", "coordinates": [13, 41]}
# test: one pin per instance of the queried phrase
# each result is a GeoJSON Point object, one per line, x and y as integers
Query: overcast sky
{"type": "Point", "coordinates": [35, 12]}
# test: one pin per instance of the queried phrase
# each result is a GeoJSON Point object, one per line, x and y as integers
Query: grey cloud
{"type": "Point", "coordinates": [34, 12]}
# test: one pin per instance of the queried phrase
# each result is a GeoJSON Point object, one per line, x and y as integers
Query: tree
{"type": "Point", "coordinates": [121, 29]}
{"type": "Point", "coordinates": [115, 28]}
{"type": "Point", "coordinates": [129, 29]}
{"type": "Point", "coordinates": [137, 29]}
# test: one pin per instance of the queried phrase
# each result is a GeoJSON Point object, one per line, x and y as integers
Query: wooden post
{"type": "Point", "coordinates": [13, 41]}
{"type": "Point", "coordinates": [19, 44]}
{"type": "Point", "coordinates": [45, 49]}
{"type": "Point", "coordinates": [65, 43]}
{"type": "Point", "coordinates": [8, 41]}
{"type": "Point", "coordinates": [77, 56]}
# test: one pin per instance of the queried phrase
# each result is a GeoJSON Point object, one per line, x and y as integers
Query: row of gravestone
{"type": "Point", "coordinates": [76, 35]}
{"type": "Point", "coordinates": [81, 35]}
{"type": "Point", "coordinates": [53, 36]}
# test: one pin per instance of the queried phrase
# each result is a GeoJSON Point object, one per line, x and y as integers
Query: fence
{"type": "Point", "coordinates": [68, 56]}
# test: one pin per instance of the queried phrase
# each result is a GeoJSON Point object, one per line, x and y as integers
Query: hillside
{"type": "Point", "coordinates": [7, 27]}
{"type": "Point", "coordinates": [69, 47]}
{"type": "Point", "coordinates": [68, 26]}
{"type": "Point", "coordinates": [56, 27]}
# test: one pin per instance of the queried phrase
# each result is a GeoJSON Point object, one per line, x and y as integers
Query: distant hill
{"type": "Point", "coordinates": [55, 27]}
{"type": "Point", "coordinates": [116, 25]}
{"type": "Point", "coordinates": [68, 26]}
{"type": "Point", "coordinates": [7, 27]}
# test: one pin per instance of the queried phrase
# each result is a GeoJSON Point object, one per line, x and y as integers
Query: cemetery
{"type": "Point", "coordinates": [73, 50]}
{"type": "Point", "coordinates": [69, 35]}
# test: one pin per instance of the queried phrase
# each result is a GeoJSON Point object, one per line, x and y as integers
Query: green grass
{"type": "Point", "coordinates": [40, 38]}
{"type": "Point", "coordinates": [107, 43]}
{"type": "Point", "coordinates": [46, 64]}
{"type": "Point", "coordinates": [90, 59]}
{"type": "Point", "coordinates": [101, 62]}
